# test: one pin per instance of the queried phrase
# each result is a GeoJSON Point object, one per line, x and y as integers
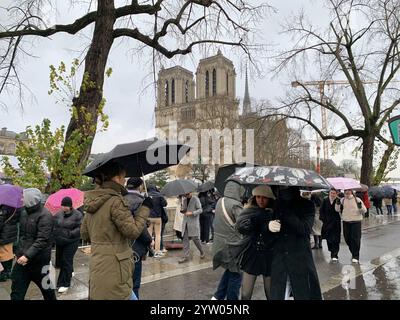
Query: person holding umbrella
{"type": "Point", "coordinates": [191, 208]}
{"type": "Point", "coordinates": [351, 209]}
{"type": "Point", "coordinates": [256, 258]}
{"type": "Point", "coordinates": [11, 202]}
{"type": "Point", "coordinates": [67, 223]}
{"type": "Point", "coordinates": [110, 227]}
{"type": "Point", "coordinates": [293, 267]}
{"type": "Point", "coordinates": [9, 218]}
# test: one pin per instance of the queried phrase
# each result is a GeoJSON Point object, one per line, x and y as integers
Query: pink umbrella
{"type": "Point", "coordinates": [342, 183]}
{"type": "Point", "coordinates": [53, 203]}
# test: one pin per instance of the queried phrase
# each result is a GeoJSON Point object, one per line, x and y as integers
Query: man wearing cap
{"type": "Point", "coordinates": [34, 250]}
{"type": "Point", "coordinates": [67, 225]}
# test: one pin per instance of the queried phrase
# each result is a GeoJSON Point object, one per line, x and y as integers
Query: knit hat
{"type": "Point", "coordinates": [32, 197]}
{"type": "Point", "coordinates": [134, 183]}
{"type": "Point", "coordinates": [263, 191]}
{"type": "Point", "coordinates": [66, 202]}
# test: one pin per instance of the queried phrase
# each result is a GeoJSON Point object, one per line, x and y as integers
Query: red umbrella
{"type": "Point", "coordinates": [53, 203]}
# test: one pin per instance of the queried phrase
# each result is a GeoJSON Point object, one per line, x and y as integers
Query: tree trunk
{"type": "Point", "coordinates": [380, 173]}
{"type": "Point", "coordinates": [95, 65]}
{"type": "Point", "coordinates": [367, 159]}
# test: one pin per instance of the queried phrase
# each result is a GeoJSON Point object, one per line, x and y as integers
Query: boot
{"type": "Point", "coordinates": [6, 273]}
{"type": "Point", "coordinates": [315, 242]}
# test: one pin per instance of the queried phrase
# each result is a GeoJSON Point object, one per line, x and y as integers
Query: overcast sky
{"type": "Point", "coordinates": [131, 110]}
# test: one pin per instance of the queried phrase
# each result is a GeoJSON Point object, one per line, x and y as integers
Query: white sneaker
{"type": "Point", "coordinates": [214, 298]}
{"type": "Point", "coordinates": [73, 274]}
{"type": "Point", "coordinates": [354, 261]}
{"type": "Point", "coordinates": [164, 250]}
{"type": "Point", "coordinates": [158, 255]}
{"type": "Point", "coordinates": [63, 289]}
{"type": "Point", "coordinates": [335, 259]}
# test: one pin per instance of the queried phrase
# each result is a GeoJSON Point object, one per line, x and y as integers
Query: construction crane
{"type": "Point", "coordinates": [321, 85]}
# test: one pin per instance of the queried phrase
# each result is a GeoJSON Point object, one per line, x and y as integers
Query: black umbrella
{"type": "Point", "coordinates": [178, 187]}
{"type": "Point", "coordinates": [376, 192]}
{"type": "Point", "coordinates": [140, 157]}
{"type": "Point", "coordinates": [388, 191]}
{"type": "Point", "coordinates": [226, 171]}
{"type": "Point", "coordinates": [280, 176]}
{"type": "Point", "coordinates": [206, 186]}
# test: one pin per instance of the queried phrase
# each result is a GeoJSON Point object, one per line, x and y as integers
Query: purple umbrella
{"type": "Point", "coordinates": [11, 196]}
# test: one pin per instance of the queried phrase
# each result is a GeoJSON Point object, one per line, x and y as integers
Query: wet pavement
{"type": "Point", "coordinates": [377, 276]}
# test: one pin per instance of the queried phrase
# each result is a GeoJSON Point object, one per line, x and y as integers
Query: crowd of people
{"type": "Point", "coordinates": [267, 235]}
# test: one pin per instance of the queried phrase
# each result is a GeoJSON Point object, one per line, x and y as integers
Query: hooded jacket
{"type": "Point", "coordinates": [224, 233]}
{"type": "Point", "coordinates": [36, 227]}
{"type": "Point", "coordinates": [159, 202]}
{"type": "Point", "coordinates": [110, 227]}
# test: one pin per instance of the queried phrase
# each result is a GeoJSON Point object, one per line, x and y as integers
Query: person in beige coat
{"type": "Point", "coordinates": [351, 209]}
{"type": "Point", "coordinates": [109, 226]}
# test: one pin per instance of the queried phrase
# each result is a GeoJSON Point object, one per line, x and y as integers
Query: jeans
{"type": "Point", "coordinates": [162, 235]}
{"type": "Point", "coordinates": [137, 278]}
{"type": "Point", "coordinates": [229, 286]}
{"type": "Point", "coordinates": [389, 209]}
{"type": "Point", "coordinates": [133, 296]}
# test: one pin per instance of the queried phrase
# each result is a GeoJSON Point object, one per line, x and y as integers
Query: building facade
{"type": "Point", "coordinates": [9, 140]}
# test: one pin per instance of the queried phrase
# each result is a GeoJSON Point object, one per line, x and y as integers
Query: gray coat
{"type": "Point", "coordinates": [192, 222]}
{"type": "Point", "coordinates": [224, 233]}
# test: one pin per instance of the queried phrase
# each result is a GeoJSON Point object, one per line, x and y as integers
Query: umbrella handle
{"type": "Point", "coordinates": [145, 186]}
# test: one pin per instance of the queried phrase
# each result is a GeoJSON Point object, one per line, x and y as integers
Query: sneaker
{"type": "Point", "coordinates": [354, 261]}
{"type": "Point", "coordinates": [164, 250]}
{"type": "Point", "coordinates": [158, 255]}
{"type": "Point", "coordinates": [182, 260]}
{"type": "Point", "coordinates": [63, 289]}
{"type": "Point", "coordinates": [213, 298]}
{"type": "Point", "coordinates": [73, 274]}
{"type": "Point", "coordinates": [335, 260]}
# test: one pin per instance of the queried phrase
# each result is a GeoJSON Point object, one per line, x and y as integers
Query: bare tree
{"type": "Point", "coordinates": [168, 28]}
{"type": "Point", "coordinates": [360, 45]}
{"type": "Point", "coordinates": [276, 143]}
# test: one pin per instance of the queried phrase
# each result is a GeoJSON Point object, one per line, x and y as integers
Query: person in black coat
{"type": "Point", "coordinates": [9, 218]}
{"type": "Point", "coordinates": [256, 258]}
{"type": "Point", "coordinates": [142, 244]}
{"type": "Point", "coordinates": [208, 205]}
{"type": "Point", "coordinates": [377, 202]}
{"type": "Point", "coordinates": [67, 225]}
{"type": "Point", "coordinates": [331, 227]}
{"type": "Point", "coordinates": [34, 249]}
{"type": "Point", "coordinates": [394, 201]}
{"type": "Point", "coordinates": [293, 267]}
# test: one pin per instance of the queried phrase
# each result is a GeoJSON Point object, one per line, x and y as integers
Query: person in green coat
{"type": "Point", "coordinates": [110, 227]}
